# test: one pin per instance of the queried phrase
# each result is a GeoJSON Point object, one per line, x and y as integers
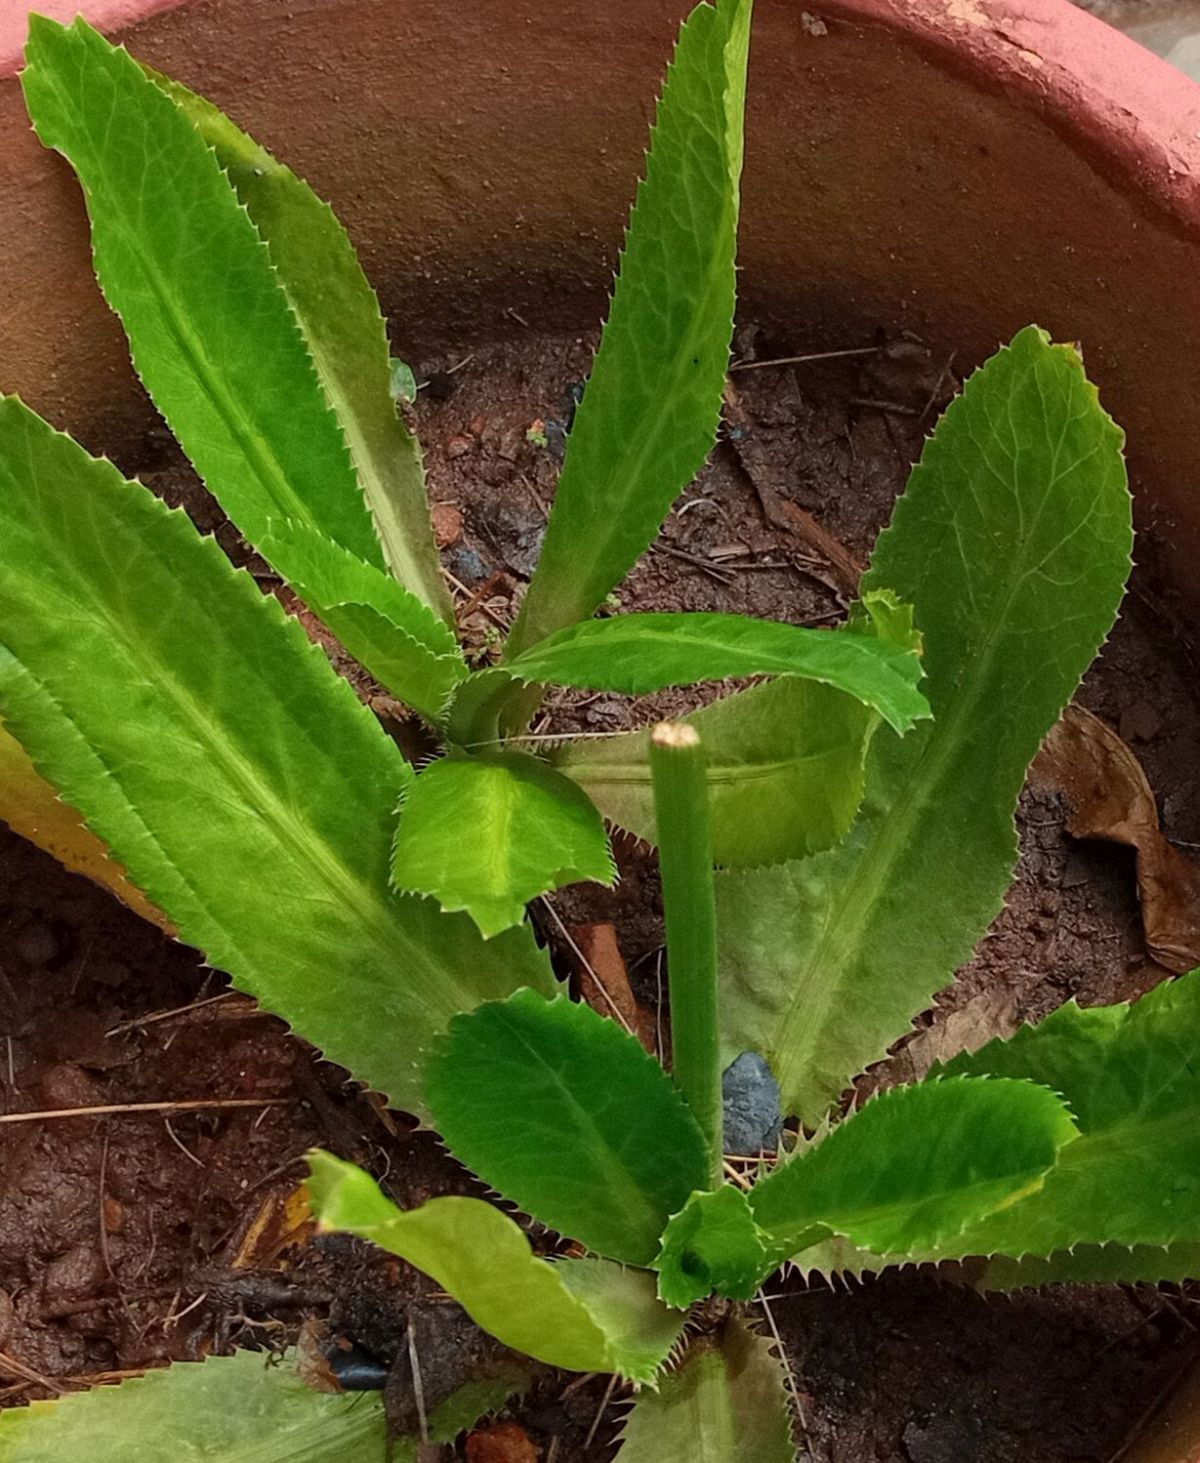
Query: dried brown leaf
{"type": "Point", "coordinates": [1109, 798]}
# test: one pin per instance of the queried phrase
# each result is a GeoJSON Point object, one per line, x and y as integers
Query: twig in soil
{"type": "Point", "coordinates": [587, 965]}
{"type": "Point", "coordinates": [178, 1142]}
{"type": "Point", "coordinates": [414, 1362]}
{"type": "Point", "coordinates": [893, 408]}
{"type": "Point", "coordinates": [790, 1376]}
{"type": "Point", "coordinates": [861, 350]}
{"type": "Point", "coordinates": [176, 1316]}
{"type": "Point", "coordinates": [117, 1109]}
{"type": "Point", "coordinates": [552, 1450]}
{"type": "Point", "coordinates": [175, 1011]}
{"type": "Point", "coordinates": [19, 1369]}
{"type": "Point", "coordinates": [696, 562]}
{"type": "Point", "coordinates": [576, 1382]}
{"type": "Point", "coordinates": [600, 1411]}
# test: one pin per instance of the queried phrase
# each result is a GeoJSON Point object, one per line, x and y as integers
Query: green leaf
{"type": "Point", "coordinates": [727, 1403]}
{"type": "Point", "coordinates": [339, 316]}
{"type": "Point", "coordinates": [1012, 545]}
{"type": "Point", "coordinates": [564, 1113]}
{"type": "Point", "coordinates": [245, 1408]}
{"type": "Point", "coordinates": [389, 630]}
{"type": "Point", "coordinates": [1090, 1265]}
{"type": "Point", "coordinates": [785, 760]}
{"type": "Point", "coordinates": [785, 771]}
{"type": "Point", "coordinates": [402, 384]}
{"type": "Point", "coordinates": [1130, 1076]}
{"type": "Point", "coordinates": [234, 776]}
{"type": "Point", "coordinates": [915, 1165]}
{"type": "Point", "coordinates": [487, 834]}
{"type": "Point", "coordinates": [213, 334]}
{"type": "Point", "coordinates": [649, 416]}
{"type": "Point", "coordinates": [640, 653]}
{"type": "Point", "coordinates": [712, 1244]}
{"type": "Point", "coordinates": [587, 1316]}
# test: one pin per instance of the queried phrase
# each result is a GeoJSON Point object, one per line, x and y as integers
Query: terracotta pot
{"type": "Point", "coordinates": [953, 167]}
{"type": "Point", "coordinates": [957, 167]}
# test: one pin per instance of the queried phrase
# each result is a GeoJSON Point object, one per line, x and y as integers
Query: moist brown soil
{"type": "Point", "coordinates": [133, 1239]}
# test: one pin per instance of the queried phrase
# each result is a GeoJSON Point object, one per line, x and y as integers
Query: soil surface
{"type": "Point", "coordinates": [131, 1239]}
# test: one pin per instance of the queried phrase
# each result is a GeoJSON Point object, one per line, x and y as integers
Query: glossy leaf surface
{"type": "Point", "coordinates": [1012, 545]}
{"type": "Point", "coordinates": [566, 1114]}
{"type": "Point", "coordinates": [487, 834]}
{"type": "Point", "coordinates": [583, 1315]}
{"type": "Point", "coordinates": [915, 1165]}
{"type": "Point", "coordinates": [212, 332]}
{"type": "Point", "coordinates": [649, 416]}
{"type": "Point", "coordinates": [238, 780]}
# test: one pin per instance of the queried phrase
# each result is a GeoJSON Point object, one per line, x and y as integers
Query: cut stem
{"type": "Point", "coordinates": [685, 855]}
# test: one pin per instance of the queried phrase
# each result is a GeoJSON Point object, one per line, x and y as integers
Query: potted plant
{"type": "Point", "coordinates": [492, 708]}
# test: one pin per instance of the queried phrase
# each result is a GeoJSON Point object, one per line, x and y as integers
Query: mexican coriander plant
{"type": "Point", "coordinates": [169, 728]}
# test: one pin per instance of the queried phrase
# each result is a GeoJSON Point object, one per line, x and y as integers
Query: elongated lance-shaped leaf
{"type": "Point", "coordinates": [649, 416]}
{"type": "Point", "coordinates": [212, 331]}
{"type": "Point", "coordinates": [394, 634]}
{"type": "Point", "coordinates": [916, 1165]}
{"type": "Point", "coordinates": [32, 808]}
{"type": "Point", "coordinates": [339, 315]}
{"type": "Point", "coordinates": [585, 1315]}
{"type": "Point", "coordinates": [712, 1244]}
{"type": "Point", "coordinates": [785, 760]}
{"type": "Point", "coordinates": [641, 653]}
{"type": "Point", "coordinates": [1012, 545]}
{"type": "Point", "coordinates": [726, 1403]}
{"type": "Point", "coordinates": [487, 834]}
{"type": "Point", "coordinates": [236, 778]}
{"type": "Point", "coordinates": [1130, 1076]}
{"type": "Point", "coordinates": [246, 1408]}
{"type": "Point", "coordinates": [564, 1113]}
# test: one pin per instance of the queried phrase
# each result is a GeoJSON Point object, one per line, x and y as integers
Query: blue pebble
{"type": "Point", "coordinates": [753, 1107]}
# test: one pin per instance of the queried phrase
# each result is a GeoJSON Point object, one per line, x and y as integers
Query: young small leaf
{"type": "Point", "coordinates": [242, 785]}
{"type": "Point", "coordinates": [388, 629]}
{"type": "Point", "coordinates": [588, 1316]}
{"type": "Point", "coordinates": [712, 1244]}
{"type": "Point", "coordinates": [244, 1408]}
{"type": "Point", "coordinates": [726, 1403]}
{"type": "Point", "coordinates": [649, 416]}
{"type": "Point", "coordinates": [916, 1165]}
{"type": "Point", "coordinates": [1130, 1076]}
{"type": "Point", "coordinates": [212, 331]}
{"type": "Point", "coordinates": [488, 833]}
{"type": "Point", "coordinates": [1012, 545]}
{"type": "Point", "coordinates": [640, 653]}
{"type": "Point", "coordinates": [339, 316]}
{"type": "Point", "coordinates": [591, 1137]}
{"type": "Point", "coordinates": [32, 808]}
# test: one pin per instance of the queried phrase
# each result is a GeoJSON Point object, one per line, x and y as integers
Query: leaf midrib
{"type": "Point", "coordinates": [310, 850]}
{"type": "Point", "coordinates": [631, 1198]}
{"type": "Point", "coordinates": [813, 1000]}
{"type": "Point", "coordinates": [264, 463]}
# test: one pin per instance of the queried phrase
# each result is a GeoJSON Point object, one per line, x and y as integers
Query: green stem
{"type": "Point", "coordinates": [685, 856]}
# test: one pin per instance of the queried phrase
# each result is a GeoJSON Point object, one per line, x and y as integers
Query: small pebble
{"type": "Point", "coordinates": [466, 564]}
{"type": "Point", "coordinates": [459, 445]}
{"type": "Point", "coordinates": [753, 1107]}
{"type": "Point", "coordinates": [447, 524]}
{"type": "Point", "coordinates": [507, 1442]}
